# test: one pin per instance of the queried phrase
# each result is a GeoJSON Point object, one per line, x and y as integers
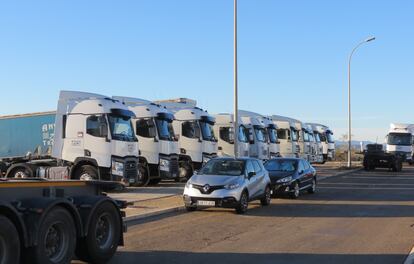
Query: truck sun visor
{"type": "Point", "coordinates": [122, 112]}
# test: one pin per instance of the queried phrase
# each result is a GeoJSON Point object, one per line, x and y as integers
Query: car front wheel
{"type": "Point", "coordinates": [243, 203]}
{"type": "Point", "coordinates": [296, 191]}
{"type": "Point", "coordinates": [312, 189]}
{"type": "Point", "coordinates": [267, 197]}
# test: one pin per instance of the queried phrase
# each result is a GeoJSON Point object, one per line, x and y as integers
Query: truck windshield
{"type": "Point", "coordinates": [272, 135]}
{"type": "Point", "coordinates": [165, 129]}
{"type": "Point", "coordinates": [295, 134]}
{"type": "Point", "coordinates": [401, 139]}
{"type": "Point", "coordinates": [221, 167]}
{"type": "Point", "coordinates": [121, 128]}
{"type": "Point", "coordinates": [207, 131]}
{"type": "Point", "coordinates": [329, 136]}
{"type": "Point", "coordinates": [242, 134]}
{"type": "Point", "coordinates": [317, 138]}
{"type": "Point", "coordinates": [260, 134]}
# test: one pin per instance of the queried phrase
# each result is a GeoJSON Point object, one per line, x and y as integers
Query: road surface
{"type": "Point", "coordinates": [364, 217]}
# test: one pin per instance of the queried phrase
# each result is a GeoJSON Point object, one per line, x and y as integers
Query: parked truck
{"type": "Point", "coordinates": [270, 133]}
{"type": "Point", "coordinates": [158, 146]}
{"type": "Point", "coordinates": [224, 129]}
{"type": "Point", "coordinates": [399, 141]}
{"type": "Point", "coordinates": [196, 140]}
{"type": "Point", "coordinates": [52, 221]}
{"type": "Point", "coordinates": [318, 148]}
{"type": "Point", "coordinates": [328, 143]}
{"type": "Point", "coordinates": [287, 136]}
{"type": "Point", "coordinates": [258, 144]}
{"type": "Point", "coordinates": [303, 140]}
{"type": "Point", "coordinates": [89, 137]}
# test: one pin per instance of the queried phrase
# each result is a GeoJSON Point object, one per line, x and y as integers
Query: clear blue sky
{"type": "Point", "coordinates": [292, 56]}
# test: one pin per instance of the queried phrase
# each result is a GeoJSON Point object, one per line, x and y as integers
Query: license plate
{"type": "Point", "coordinates": [206, 203]}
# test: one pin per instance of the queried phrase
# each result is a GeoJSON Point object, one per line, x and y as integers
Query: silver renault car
{"type": "Point", "coordinates": [229, 183]}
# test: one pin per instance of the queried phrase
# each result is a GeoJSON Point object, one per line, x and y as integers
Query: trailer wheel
{"type": "Point", "coordinates": [9, 242]}
{"type": "Point", "coordinates": [103, 237]}
{"type": "Point", "coordinates": [86, 173]}
{"type": "Point", "coordinates": [56, 238]}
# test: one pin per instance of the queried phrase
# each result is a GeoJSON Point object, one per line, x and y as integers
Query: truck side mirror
{"type": "Point", "coordinates": [231, 135]}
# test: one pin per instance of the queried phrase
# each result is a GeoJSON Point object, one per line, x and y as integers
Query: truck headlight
{"type": "Point", "coordinates": [284, 180]}
{"type": "Point", "coordinates": [164, 165]}
{"type": "Point", "coordinates": [117, 168]}
{"type": "Point", "coordinates": [232, 186]}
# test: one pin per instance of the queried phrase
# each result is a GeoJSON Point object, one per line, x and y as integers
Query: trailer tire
{"type": "Point", "coordinates": [103, 236]}
{"type": "Point", "coordinates": [9, 242]}
{"type": "Point", "coordinates": [87, 173]}
{"type": "Point", "coordinates": [56, 239]}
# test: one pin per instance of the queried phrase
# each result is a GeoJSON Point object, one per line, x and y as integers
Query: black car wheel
{"type": "Point", "coordinates": [267, 197]}
{"type": "Point", "coordinates": [191, 208]}
{"type": "Point", "coordinates": [312, 189]}
{"type": "Point", "coordinates": [243, 203]}
{"type": "Point", "coordinates": [296, 191]}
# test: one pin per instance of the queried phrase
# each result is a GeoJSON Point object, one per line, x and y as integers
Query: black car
{"type": "Point", "coordinates": [290, 176]}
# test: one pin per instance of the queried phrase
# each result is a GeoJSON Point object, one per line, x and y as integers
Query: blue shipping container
{"type": "Point", "coordinates": [26, 133]}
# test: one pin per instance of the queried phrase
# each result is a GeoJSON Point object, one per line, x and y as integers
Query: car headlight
{"type": "Point", "coordinates": [189, 185]}
{"type": "Point", "coordinates": [284, 180]}
{"type": "Point", "coordinates": [117, 168]}
{"type": "Point", "coordinates": [232, 186]}
{"type": "Point", "coordinates": [164, 165]}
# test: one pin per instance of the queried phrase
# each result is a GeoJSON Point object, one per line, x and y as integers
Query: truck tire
{"type": "Point", "coordinates": [185, 171]}
{"type": "Point", "coordinates": [143, 177]}
{"type": "Point", "coordinates": [86, 173]}
{"type": "Point", "coordinates": [22, 171]}
{"type": "Point", "coordinates": [56, 239]}
{"type": "Point", "coordinates": [9, 242]}
{"type": "Point", "coordinates": [103, 236]}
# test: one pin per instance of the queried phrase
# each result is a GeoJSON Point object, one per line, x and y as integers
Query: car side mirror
{"type": "Point", "coordinates": [301, 172]}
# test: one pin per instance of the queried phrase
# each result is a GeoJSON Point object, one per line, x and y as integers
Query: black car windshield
{"type": "Point", "coordinates": [401, 139]}
{"type": "Point", "coordinates": [281, 165]}
{"type": "Point", "coordinates": [207, 131]}
{"type": "Point", "coordinates": [223, 167]}
{"type": "Point", "coordinates": [272, 134]}
{"type": "Point", "coordinates": [121, 128]}
{"type": "Point", "coordinates": [165, 129]}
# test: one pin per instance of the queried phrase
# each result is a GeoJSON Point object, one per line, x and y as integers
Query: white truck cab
{"type": "Point", "coordinates": [303, 140]}
{"type": "Point", "coordinates": [224, 129]}
{"type": "Point", "coordinates": [328, 143]}
{"type": "Point", "coordinates": [93, 135]}
{"type": "Point", "coordinates": [196, 140]}
{"type": "Point", "coordinates": [317, 147]}
{"type": "Point", "coordinates": [158, 146]}
{"type": "Point", "coordinates": [287, 136]}
{"type": "Point", "coordinates": [258, 147]}
{"type": "Point", "coordinates": [399, 141]}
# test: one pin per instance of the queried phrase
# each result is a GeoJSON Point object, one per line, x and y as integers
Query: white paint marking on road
{"type": "Point", "coordinates": [410, 257]}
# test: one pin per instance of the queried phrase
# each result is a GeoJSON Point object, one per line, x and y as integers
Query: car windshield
{"type": "Point", "coordinates": [223, 167]}
{"type": "Point", "coordinates": [165, 129]}
{"type": "Point", "coordinates": [260, 134]}
{"type": "Point", "coordinates": [121, 128]}
{"type": "Point", "coordinates": [281, 165]}
{"type": "Point", "coordinates": [401, 139]}
{"type": "Point", "coordinates": [207, 131]}
{"type": "Point", "coordinates": [272, 135]}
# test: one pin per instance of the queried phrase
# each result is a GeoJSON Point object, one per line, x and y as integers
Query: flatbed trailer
{"type": "Point", "coordinates": [56, 221]}
{"type": "Point", "coordinates": [376, 157]}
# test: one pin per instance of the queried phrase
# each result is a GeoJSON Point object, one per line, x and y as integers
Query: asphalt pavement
{"type": "Point", "coordinates": [363, 217]}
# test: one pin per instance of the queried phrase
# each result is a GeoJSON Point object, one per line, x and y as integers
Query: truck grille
{"type": "Point", "coordinates": [131, 171]}
{"type": "Point", "coordinates": [174, 165]}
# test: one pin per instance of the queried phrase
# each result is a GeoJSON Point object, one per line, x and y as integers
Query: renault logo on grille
{"type": "Point", "coordinates": [206, 188]}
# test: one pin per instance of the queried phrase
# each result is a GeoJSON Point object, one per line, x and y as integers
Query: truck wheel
{"type": "Point", "coordinates": [143, 177]}
{"type": "Point", "coordinates": [25, 171]}
{"type": "Point", "coordinates": [56, 239]}
{"type": "Point", "coordinates": [103, 236]}
{"type": "Point", "coordinates": [9, 242]}
{"type": "Point", "coordinates": [185, 171]}
{"type": "Point", "coordinates": [86, 173]}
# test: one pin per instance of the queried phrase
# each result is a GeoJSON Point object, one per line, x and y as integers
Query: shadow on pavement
{"type": "Point", "coordinates": [252, 258]}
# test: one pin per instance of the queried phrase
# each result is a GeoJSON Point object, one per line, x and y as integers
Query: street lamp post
{"type": "Point", "coordinates": [236, 107]}
{"type": "Point", "coordinates": [349, 97]}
